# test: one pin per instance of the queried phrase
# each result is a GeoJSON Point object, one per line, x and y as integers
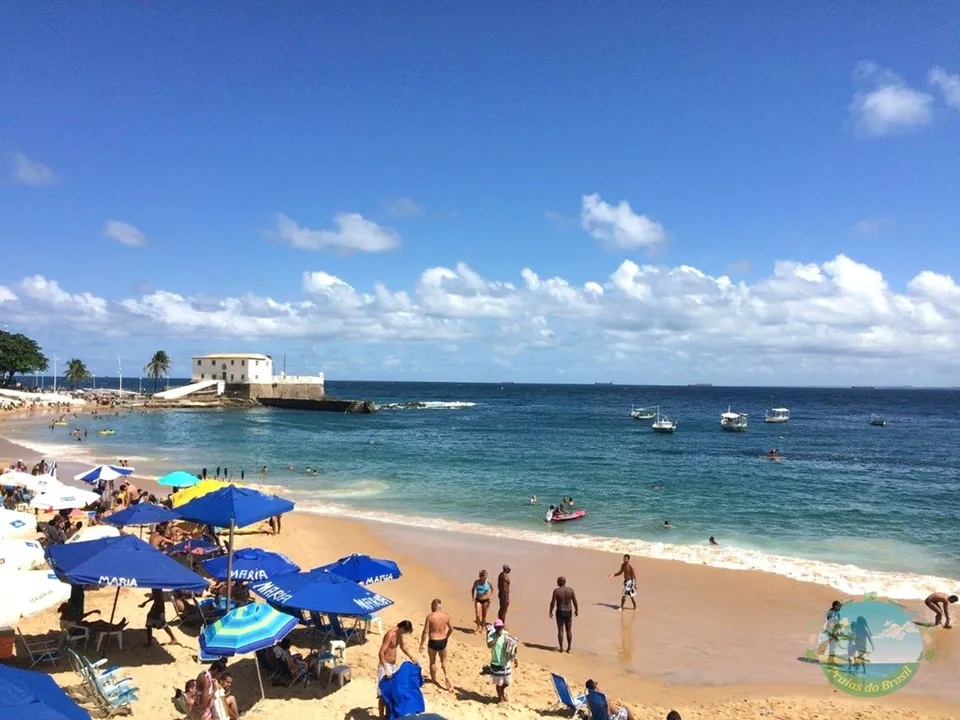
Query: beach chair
{"type": "Point", "coordinates": [369, 621]}
{"type": "Point", "coordinates": [44, 650]}
{"type": "Point", "coordinates": [597, 705]}
{"type": "Point", "coordinates": [565, 697]}
{"type": "Point", "coordinates": [339, 632]}
{"type": "Point", "coordinates": [211, 609]}
{"type": "Point", "coordinates": [75, 633]}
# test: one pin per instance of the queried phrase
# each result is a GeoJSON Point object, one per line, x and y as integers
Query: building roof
{"type": "Point", "coordinates": [232, 356]}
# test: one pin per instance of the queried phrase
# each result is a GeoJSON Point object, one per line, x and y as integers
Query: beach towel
{"type": "Point", "coordinates": [401, 693]}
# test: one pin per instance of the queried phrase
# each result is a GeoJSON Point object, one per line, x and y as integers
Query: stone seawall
{"type": "Point", "coordinates": [281, 390]}
{"type": "Point", "coordinates": [327, 404]}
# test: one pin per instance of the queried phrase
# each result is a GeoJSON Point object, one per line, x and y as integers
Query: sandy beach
{"type": "Point", "coordinates": [707, 642]}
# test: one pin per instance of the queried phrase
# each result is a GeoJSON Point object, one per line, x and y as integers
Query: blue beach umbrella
{"type": "Point", "coordinates": [246, 629]}
{"type": "Point", "coordinates": [103, 472]}
{"type": "Point", "coordinates": [320, 591]}
{"type": "Point", "coordinates": [178, 479]}
{"type": "Point", "coordinates": [141, 514]}
{"type": "Point", "coordinates": [234, 507]}
{"type": "Point", "coordinates": [363, 569]}
{"type": "Point", "coordinates": [251, 564]}
{"type": "Point", "coordinates": [34, 695]}
{"type": "Point", "coordinates": [124, 561]}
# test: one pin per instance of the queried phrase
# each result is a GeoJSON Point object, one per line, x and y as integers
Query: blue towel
{"type": "Point", "coordinates": [401, 693]}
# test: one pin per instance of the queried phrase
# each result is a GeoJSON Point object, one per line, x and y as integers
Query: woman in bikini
{"type": "Point", "coordinates": [480, 594]}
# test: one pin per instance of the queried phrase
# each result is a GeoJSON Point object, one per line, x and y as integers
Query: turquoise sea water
{"type": "Point", "coordinates": [851, 505]}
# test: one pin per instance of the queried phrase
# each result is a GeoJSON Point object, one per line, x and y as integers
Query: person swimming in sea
{"type": "Point", "coordinates": [667, 525]}
{"type": "Point", "coordinates": [713, 541]}
{"type": "Point", "coordinates": [533, 499]}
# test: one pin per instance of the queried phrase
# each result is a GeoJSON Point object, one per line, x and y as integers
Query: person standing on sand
{"type": "Point", "coordinates": [436, 633]}
{"type": "Point", "coordinates": [387, 659]}
{"type": "Point", "coordinates": [940, 603]}
{"type": "Point", "coordinates": [564, 601]}
{"type": "Point", "coordinates": [207, 690]}
{"type": "Point", "coordinates": [503, 593]}
{"type": "Point", "coordinates": [480, 594]}
{"type": "Point", "coordinates": [629, 582]}
{"type": "Point", "coordinates": [157, 617]}
{"type": "Point", "coordinates": [503, 656]}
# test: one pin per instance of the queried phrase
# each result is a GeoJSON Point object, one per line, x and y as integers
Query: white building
{"type": "Point", "coordinates": [238, 368]}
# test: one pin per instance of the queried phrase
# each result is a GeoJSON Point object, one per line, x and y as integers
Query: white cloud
{"type": "Point", "coordinates": [884, 104]}
{"type": "Point", "coordinates": [949, 85]}
{"type": "Point", "coordinates": [29, 172]}
{"type": "Point", "coordinates": [124, 233]}
{"type": "Point", "coordinates": [354, 233]}
{"type": "Point", "coordinates": [895, 631]}
{"type": "Point", "coordinates": [869, 227]}
{"type": "Point", "coordinates": [618, 226]}
{"type": "Point", "coordinates": [403, 207]}
{"type": "Point", "coordinates": [792, 318]}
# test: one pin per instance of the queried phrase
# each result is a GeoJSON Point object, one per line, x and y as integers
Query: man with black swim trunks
{"type": "Point", "coordinates": [436, 632]}
{"type": "Point", "coordinates": [564, 601]}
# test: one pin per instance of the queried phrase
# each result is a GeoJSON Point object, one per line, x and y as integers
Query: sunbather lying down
{"type": "Point", "coordinates": [69, 618]}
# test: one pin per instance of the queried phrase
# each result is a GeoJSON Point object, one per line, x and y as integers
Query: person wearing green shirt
{"type": "Point", "coordinates": [503, 656]}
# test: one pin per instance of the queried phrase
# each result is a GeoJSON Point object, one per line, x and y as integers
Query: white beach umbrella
{"type": "Point", "coordinates": [94, 532]}
{"type": "Point", "coordinates": [16, 524]}
{"type": "Point", "coordinates": [33, 483]}
{"type": "Point", "coordinates": [19, 555]}
{"type": "Point", "coordinates": [27, 592]}
{"type": "Point", "coordinates": [64, 498]}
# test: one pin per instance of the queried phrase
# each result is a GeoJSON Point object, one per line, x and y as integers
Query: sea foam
{"type": "Point", "coordinates": [848, 579]}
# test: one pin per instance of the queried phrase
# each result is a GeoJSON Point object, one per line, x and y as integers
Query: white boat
{"type": "Point", "coordinates": [732, 421]}
{"type": "Point", "coordinates": [878, 421]}
{"type": "Point", "coordinates": [777, 415]}
{"type": "Point", "coordinates": [663, 424]}
{"type": "Point", "coordinates": [643, 413]}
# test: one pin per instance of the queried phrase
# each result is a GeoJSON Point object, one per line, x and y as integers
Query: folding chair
{"type": "Point", "coordinates": [339, 632]}
{"type": "Point", "coordinates": [565, 697]}
{"type": "Point", "coordinates": [75, 633]}
{"type": "Point", "coordinates": [44, 650]}
{"type": "Point", "coordinates": [597, 705]}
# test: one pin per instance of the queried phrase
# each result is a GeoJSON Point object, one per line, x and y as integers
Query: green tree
{"type": "Point", "coordinates": [19, 354]}
{"type": "Point", "coordinates": [76, 372]}
{"type": "Point", "coordinates": [158, 367]}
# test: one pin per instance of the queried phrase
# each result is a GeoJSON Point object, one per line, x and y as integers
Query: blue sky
{"type": "Point", "coordinates": [722, 193]}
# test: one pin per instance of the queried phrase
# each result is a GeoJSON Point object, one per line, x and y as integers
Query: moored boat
{"type": "Point", "coordinates": [733, 421]}
{"type": "Point", "coordinates": [777, 415]}
{"type": "Point", "coordinates": [663, 424]}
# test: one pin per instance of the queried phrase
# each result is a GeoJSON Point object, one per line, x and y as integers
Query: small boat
{"type": "Point", "coordinates": [61, 423]}
{"type": "Point", "coordinates": [643, 413]}
{"type": "Point", "coordinates": [733, 422]}
{"type": "Point", "coordinates": [878, 421]}
{"type": "Point", "coordinates": [565, 516]}
{"type": "Point", "coordinates": [107, 432]}
{"type": "Point", "coordinates": [777, 415]}
{"type": "Point", "coordinates": [663, 424]}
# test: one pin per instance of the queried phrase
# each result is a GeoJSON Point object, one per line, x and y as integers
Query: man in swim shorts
{"type": "Point", "coordinates": [629, 582]}
{"type": "Point", "coordinates": [387, 664]}
{"type": "Point", "coordinates": [940, 603]}
{"type": "Point", "coordinates": [436, 633]}
{"type": "Point", "coordinates": [564, 600]}
{"type": "Point", "coordinates": [503, 593]}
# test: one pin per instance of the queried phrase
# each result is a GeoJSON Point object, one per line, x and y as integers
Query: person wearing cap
{"type": "Point", "coordinates": [503, 593]}
{"type": "Point", "coordinates": [503, 656]}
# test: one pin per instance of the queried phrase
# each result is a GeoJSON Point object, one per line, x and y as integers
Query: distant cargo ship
{"type": "Point", "coordinates": [700, 385]}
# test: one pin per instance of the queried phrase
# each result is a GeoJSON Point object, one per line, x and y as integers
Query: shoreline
{"type": "Point", "coordinates": [708, 642]}
{"type": "Point", "coordinates": [844, 578]}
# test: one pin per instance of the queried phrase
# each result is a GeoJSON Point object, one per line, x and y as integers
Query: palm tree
{"type": "Point", "coordinates": [76, 372]}
{"type": "Point", "coordinates": [158, 367]}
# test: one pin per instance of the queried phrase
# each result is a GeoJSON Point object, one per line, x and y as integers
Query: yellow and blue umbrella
{"type": "Point", "coordinates": [197, 491]}
{"type": "Point", "coordinates": [246, 629]}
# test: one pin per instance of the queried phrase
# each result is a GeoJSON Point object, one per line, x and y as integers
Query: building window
{"type": "Point", "coordinates": [231, 362]}
{"type": "Point", "coordinates": [257, 362]}
{"type": "Point", "coordinates": [213, 362]}
{"type": "Point", "coordinates": [243, 362]}
{"type": "Point", "coordinates": [201, 376]}
{"type": "Point", "coordinates": [231, 377]}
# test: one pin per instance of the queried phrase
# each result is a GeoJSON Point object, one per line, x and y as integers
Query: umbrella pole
{"type": "Point", "coordinates": [256, 662]}
{"type": "Point", "coordinates": [114, 611]}
{"type": "Point", "coordinates": [230, 564]}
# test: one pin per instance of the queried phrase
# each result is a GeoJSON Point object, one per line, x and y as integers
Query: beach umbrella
{"type": "Point", "coordinates": [141, 514]}
{"type": "Point", "coordinates": [34, 695]}
{"type": "Point", "coordinates": [251, 564]}
{"type": "Point", "coordinates": [28, 592]}
{"type": "Point", "coordinates": [64, 498]}
{"type": "Point", "coordinates": [246, 629]}
{"type": "Point", "coordinates": [93, 532]}
{"type": "Point", "coordinates": [125, 561]}
{"type": "Point", "coordinates": [198, 490]}
{"type": "Point", "coordinates": [33, 483]}
{"type": "Point", "coordinates": [16, 524]}
{"type": "Point", "coordinates": [363, 569]}
{"type": "Point", "coordinates": [178, 479]}
{"type": "Point", "coordinates": [103, 472]}
{"type": "Point", "coordinates": [20, 555]}
{"type": "Point", "coordinates": [233, 507]}
{"type": "Point", "coordinates": [320, 591]}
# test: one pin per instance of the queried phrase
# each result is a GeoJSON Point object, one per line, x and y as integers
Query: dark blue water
{"type": "Point", "coordinates": [880, 498]}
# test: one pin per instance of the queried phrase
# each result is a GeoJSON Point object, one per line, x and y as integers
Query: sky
{"type": "Point", "coordinates": [643, 192]}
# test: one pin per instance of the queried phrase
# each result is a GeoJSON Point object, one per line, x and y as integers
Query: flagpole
{"type": "Point", "coordinates": [120, 370]}
{"type": "Point", "coordinates": [54, 373]}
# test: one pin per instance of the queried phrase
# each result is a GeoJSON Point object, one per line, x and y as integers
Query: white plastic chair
{"type": "Point", "coordinates": [369, 621]}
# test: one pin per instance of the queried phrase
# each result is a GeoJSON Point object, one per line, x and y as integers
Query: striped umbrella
{"type": "Point", "coordinates": [246, 629]}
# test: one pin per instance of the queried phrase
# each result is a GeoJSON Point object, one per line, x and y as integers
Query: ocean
{"type": "Point", "coordinates": [857, 507]}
